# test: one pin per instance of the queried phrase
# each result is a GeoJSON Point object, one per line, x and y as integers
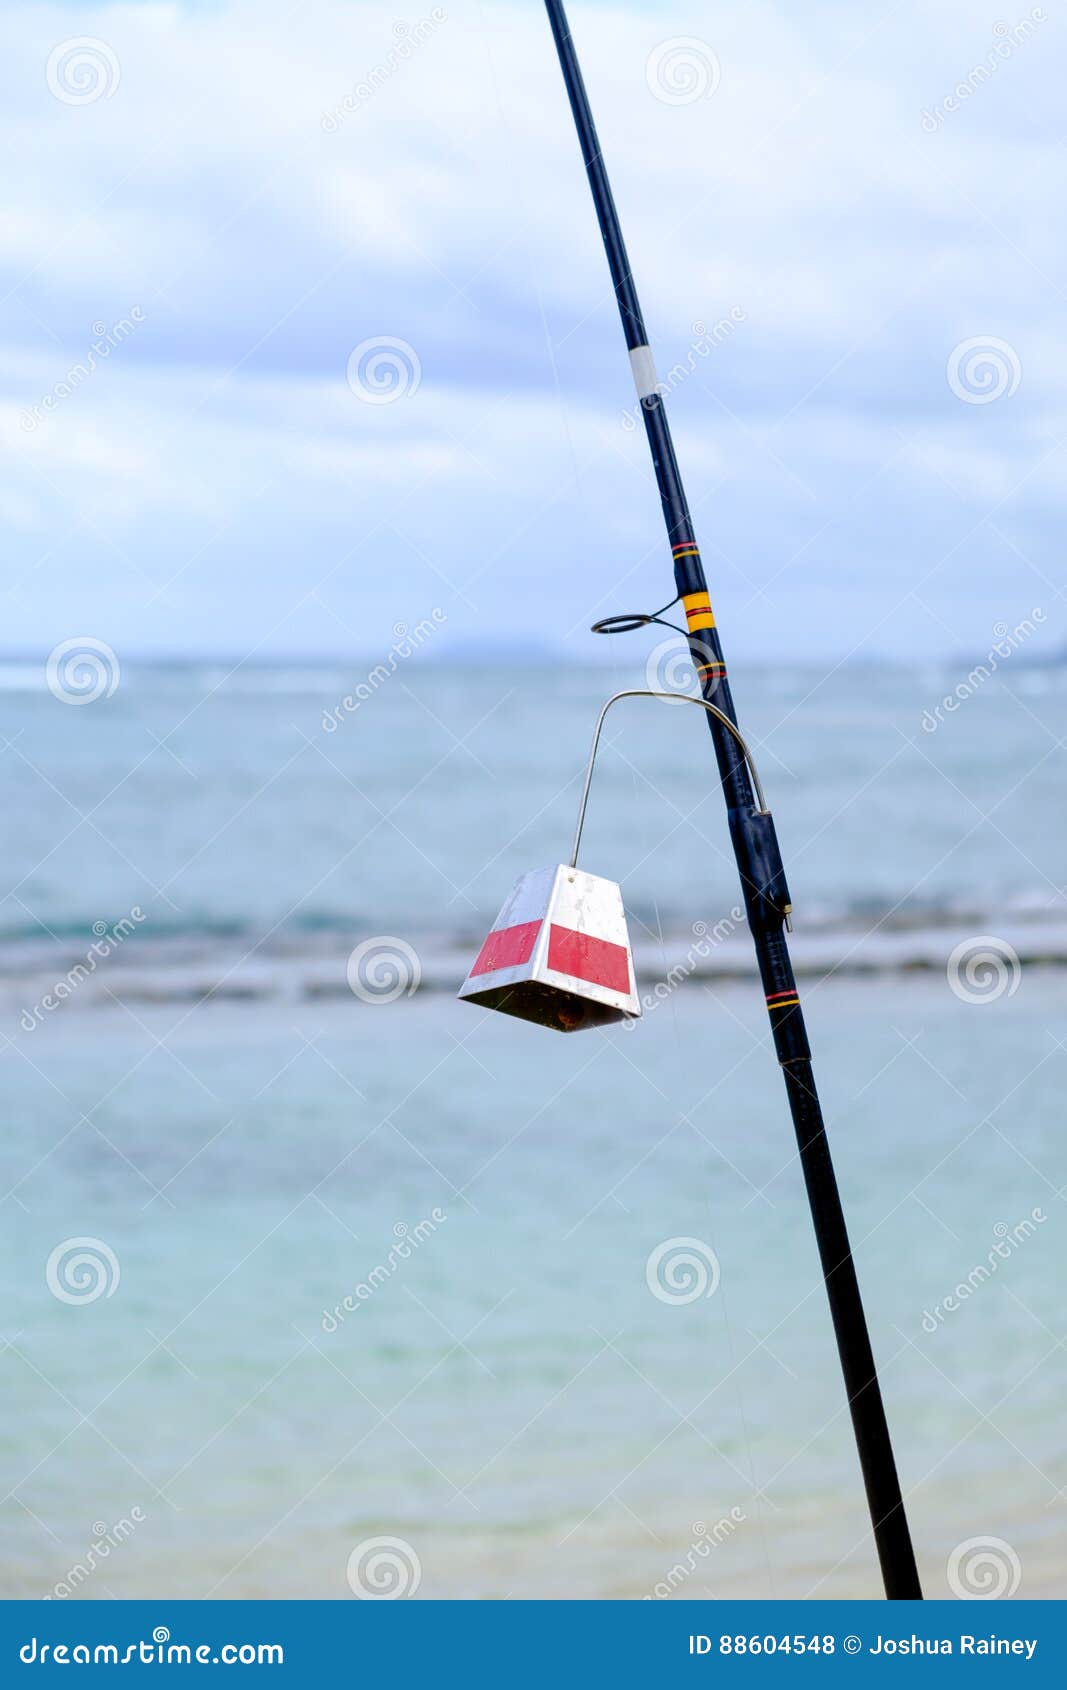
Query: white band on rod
{"type": "Point", "coordinates": [644, 368]}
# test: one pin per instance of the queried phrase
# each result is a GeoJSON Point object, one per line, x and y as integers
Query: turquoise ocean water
{"type": "Point", "coordinates": [246, 1143]}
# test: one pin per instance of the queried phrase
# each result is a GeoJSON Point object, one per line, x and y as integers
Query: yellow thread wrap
{"type": "Point", "coordinates": [698, 612]}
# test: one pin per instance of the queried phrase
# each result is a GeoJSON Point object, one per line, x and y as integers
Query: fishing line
{"type": "Point", "coordinates": [619, 667]}
{"type": "Point", "coordinates": [734, 1374]}
{"type": "Point", "coordinates": [673, 1096]}
{"type": "Point", "coordinates": [739, 1392]}
{"type": "Point", "coordinates": [625, 623]}
{"type": "Point", "coordinates": [762, 876]}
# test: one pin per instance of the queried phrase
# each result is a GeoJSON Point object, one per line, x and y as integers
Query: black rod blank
{"type": "Point", "coordinates": [763, 883]}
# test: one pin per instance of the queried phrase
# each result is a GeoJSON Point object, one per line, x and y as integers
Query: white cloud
{"type": "Point", "coordinates": [217, 461]}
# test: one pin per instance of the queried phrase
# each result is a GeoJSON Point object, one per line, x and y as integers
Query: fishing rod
{"type": "Point", "coordinates": [763, 881]}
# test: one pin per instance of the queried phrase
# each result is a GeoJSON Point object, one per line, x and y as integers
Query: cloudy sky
{"type": "Point", "coordinates": [229, 199]}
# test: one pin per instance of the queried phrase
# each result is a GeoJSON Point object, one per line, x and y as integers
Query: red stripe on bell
{"type": "Point", "coordinates": [507, 947]}
{"type": "Point", "coordinates": [585, 958]}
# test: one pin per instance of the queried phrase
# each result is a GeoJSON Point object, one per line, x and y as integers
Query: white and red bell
{"type": "Point", "coordinates": [559, 953]}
